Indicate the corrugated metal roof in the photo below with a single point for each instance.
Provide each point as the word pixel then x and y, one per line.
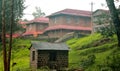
pixel 49 46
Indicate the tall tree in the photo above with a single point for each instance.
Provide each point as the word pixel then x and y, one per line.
pixel 115 18
pixel 38 13
pixel 3 36
pixel 11 12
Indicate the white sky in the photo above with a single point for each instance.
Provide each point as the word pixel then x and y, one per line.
pixel 51 6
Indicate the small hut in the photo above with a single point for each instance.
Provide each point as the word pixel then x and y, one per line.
pixel 53 55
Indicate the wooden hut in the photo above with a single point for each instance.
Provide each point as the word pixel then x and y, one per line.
pixel 53 55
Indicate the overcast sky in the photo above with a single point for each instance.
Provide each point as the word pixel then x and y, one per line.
pixel 51 6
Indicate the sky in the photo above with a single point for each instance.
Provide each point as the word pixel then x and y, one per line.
pixel 51 6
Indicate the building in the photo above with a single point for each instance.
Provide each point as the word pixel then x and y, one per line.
pixel 69 20
pixel 101 18
pixel 36 27
pixel 53 55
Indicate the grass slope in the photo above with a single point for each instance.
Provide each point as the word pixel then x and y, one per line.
pixel 90 53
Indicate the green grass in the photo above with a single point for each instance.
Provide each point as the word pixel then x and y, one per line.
pixel 81 48
pixel 20 55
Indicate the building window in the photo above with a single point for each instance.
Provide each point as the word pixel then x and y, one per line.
pixel 33 55
pixel 55 20
pixel 77 20
pixel 52 56
pixel 68 19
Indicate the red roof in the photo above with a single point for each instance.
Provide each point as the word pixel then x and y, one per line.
pixel 73 12
pixel 14 35
pixel 32 33
pixel 41 20
pixel 22 22
pixel 68 27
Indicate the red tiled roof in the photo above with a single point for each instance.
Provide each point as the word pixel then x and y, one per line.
pixel 68 27
pixel 22 22
pixel 73 12
pixel 32 33
pixel 41 20
pixel 14 35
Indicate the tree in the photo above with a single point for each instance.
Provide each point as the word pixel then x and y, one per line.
pixel 115 18
pixel 11 13
pixel 105 24
pixel 3 35
pixel 38 13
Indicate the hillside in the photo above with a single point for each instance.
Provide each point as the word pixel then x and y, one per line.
pixel 94 53
pixel 91 53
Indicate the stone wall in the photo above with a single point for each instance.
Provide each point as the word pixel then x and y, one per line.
pixel 61 60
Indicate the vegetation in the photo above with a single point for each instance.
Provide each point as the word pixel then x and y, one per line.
pixel 106 29
pixel 38 13
pixel 94 53
pixel 11 12
pixel 114 17
pixel 20 55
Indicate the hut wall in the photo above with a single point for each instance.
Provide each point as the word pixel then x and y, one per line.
pixel 33 58
pixel 61 60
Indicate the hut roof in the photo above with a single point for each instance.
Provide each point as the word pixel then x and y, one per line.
pixel 49 46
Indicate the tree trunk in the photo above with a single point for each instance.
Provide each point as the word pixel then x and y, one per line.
pixel 0 37
pixel 10 43
pixel 3 36
pixel 115 18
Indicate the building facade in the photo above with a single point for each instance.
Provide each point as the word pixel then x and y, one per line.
pixel 36 27
pixel 69 20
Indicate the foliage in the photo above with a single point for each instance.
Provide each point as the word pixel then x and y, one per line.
pixel 18 12
pixel 106 27
pixel 115 18
pixel 38 13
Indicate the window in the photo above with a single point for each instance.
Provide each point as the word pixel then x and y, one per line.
pixel 77 20
pixel 52 56
pixel 55 21
pixel 33 55
pixel 68 19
